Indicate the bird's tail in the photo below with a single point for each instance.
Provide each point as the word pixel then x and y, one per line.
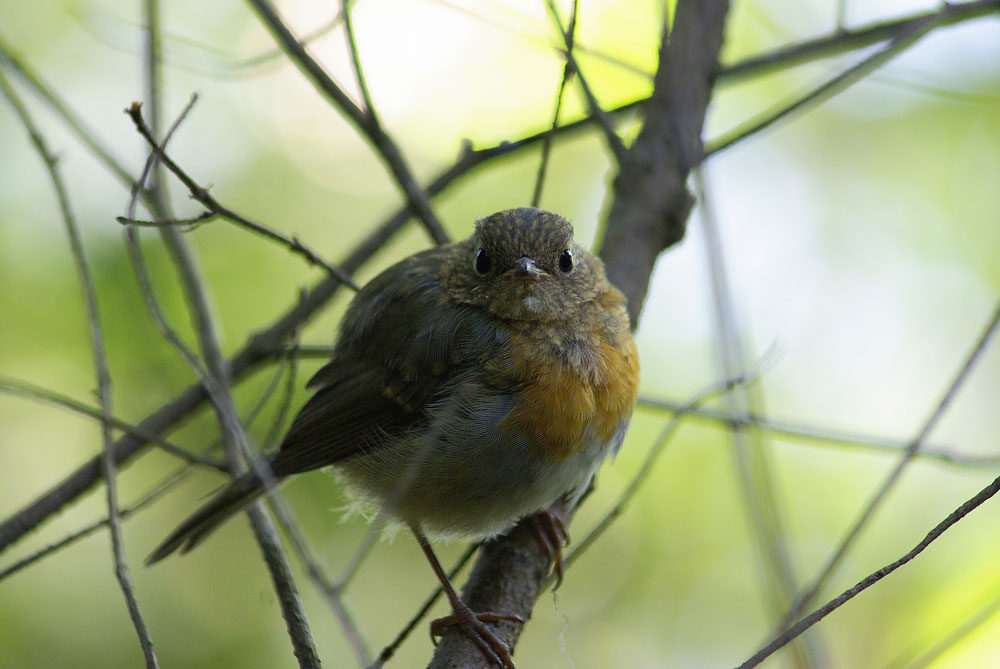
pixel 226 503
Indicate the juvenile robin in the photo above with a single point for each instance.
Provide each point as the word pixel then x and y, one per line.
pixel 472 385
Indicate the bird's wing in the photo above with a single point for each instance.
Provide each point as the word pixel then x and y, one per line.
pixel 401 342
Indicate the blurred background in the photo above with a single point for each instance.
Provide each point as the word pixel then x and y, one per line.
pixel 860 239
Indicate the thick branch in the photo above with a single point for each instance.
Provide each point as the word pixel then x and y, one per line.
pixel 651 204
pixel 648 214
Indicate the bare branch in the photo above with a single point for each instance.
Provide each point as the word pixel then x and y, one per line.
pixel 568 72
pixel 365 121
pixel 651 204
pixel 648 213
pixel 820 436
pixel 121 569
pixel 844 41
pixel 158 490
pixel 331 592
pixel 215 377
pixel 34 392
pixel 809 593
pixel 907 38
pixel 600 116
pixel 274 54
pixel 751 456
pixel 216 209
pixel 820 613
pixel 359 73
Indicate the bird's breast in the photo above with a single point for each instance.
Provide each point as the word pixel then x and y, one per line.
pixel 570 383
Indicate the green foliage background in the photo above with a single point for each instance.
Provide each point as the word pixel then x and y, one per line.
pixel 862 239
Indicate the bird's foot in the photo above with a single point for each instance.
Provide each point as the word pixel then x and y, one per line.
pixel 549 528
pixel 471 623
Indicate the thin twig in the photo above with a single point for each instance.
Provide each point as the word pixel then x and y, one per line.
pixel 359 73
pixel 158 490
pixel 820 613
pixel 274 54
pixel 826 90
pixel 819 436
pixel 235 439
pixel 119 561
pixel 22 389
pixel 840 42
pixel 806 597
pixel 215 208
pixel 153 163
pixel 841 15
pixel 331 592
pixel 276 428
pixel 350 570
pixel 751 456
pixel 265 396
pixel 568 72
pixel 365 122
pixel 139 266
pixel 601 117
pixel 189 223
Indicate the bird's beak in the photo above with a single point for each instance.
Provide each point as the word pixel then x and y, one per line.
pixel 526 269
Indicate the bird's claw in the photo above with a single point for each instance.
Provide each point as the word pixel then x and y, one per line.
pixel 471 623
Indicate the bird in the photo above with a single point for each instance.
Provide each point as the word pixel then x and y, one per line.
pixel 471 385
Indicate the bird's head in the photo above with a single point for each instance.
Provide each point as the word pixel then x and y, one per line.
pixel 523 265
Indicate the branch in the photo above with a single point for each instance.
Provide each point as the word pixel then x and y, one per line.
pixel 365 121
pixel 821 436
pixel 215 208
pixel 907 37
pixel 843 41
pixel 652 203
pixel 650 207
pixel 568 70
pixel 601 117
pixel 23 389
pixel 98 350
pixel 164 486
pixel 215 375
pixel 809 593
pixel 817 615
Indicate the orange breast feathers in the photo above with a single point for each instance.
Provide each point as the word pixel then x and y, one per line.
pixel 570 385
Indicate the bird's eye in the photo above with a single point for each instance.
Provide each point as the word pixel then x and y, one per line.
pixel 566 262
pixel 483 262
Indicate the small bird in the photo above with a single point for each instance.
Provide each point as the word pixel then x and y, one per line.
pixel 471 385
